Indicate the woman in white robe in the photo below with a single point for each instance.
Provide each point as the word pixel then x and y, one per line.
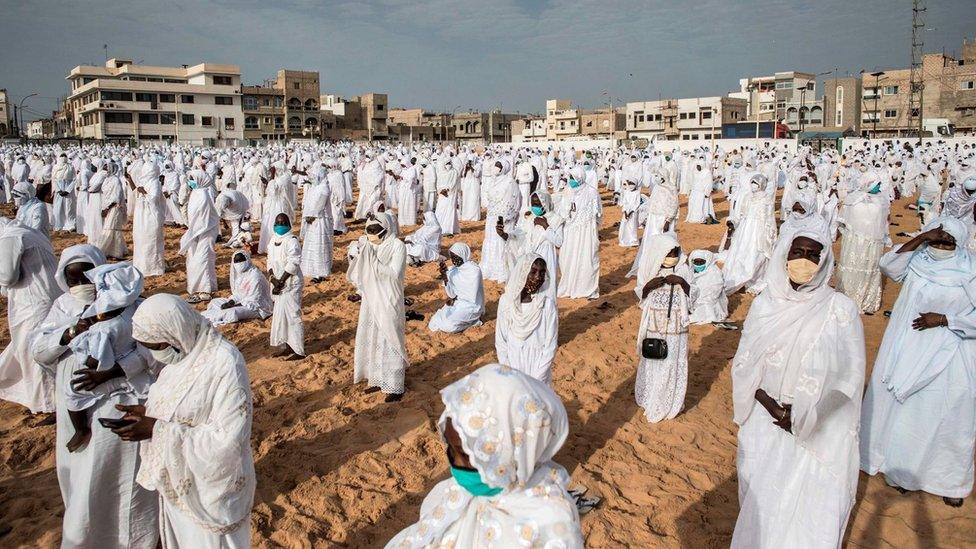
pixel 148 245
pixel 317 231
pixel 471 190
pixel 700 207
pixel 93 210
pixel 195 428
pixel 662 213
pixel 540 231
pixel 172 186
pixel 752 233
pixel 797 379
pixel 31 211
pixel 465 293
pixel 918 424
pixel 864 228
pixel 287 286
pixel 630 203
pixel 447 200
pixel 113 215
pixel 277 200
pixel 103 504
pixel 27 277
pixel 527 328
pixel 84 174
pixel 377 272
pixel 369 178
pixel 711 304
pixel 503 491
pixel 665 294
pixel 250 294
pixel 579 256
pixel 337 200
pixel 502 202
pixel 63 181
pixel 425 243
pixel 197 243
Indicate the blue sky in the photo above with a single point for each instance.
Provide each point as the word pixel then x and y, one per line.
pixel 442 54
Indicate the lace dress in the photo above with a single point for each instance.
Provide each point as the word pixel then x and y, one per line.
pixel 661 384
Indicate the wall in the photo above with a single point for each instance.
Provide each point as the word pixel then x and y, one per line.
pixel 725 144
pixel 858 142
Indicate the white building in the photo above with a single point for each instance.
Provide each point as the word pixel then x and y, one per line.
pixel 529 130
pixel 689 119
pixel 198 105
pixel 784 96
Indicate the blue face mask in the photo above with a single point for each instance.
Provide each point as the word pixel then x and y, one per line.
pixel 281 230
pixel 699 268
pixel 875 189
pixel 538 211
pixel 471 481
pixel 192 184
pixel 573 183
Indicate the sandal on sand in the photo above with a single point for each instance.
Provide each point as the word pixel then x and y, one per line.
pixel 584 505
pixel 953 502
pixel 194 299
pixel 393 397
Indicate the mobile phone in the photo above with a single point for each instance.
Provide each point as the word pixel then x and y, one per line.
pixel 115 423
pixel 500 220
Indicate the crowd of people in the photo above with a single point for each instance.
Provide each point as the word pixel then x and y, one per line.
pixel 153 407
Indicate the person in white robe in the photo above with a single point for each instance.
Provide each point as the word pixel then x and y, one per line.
pixel 27 278
pixel 148 244
pixel 665 294
pixel 465 293
pixel 370 178
pixel 63 181
pixel 318 231
pixel 31 211
pixel 662 214
pixel 864 229
pixel 337 200
pixel 447 200
pixel 233 208
pixel 630 202
pixel 253 183
pixel 113 215
pixel 378 262
pixel 711 305
pixel 700 207
pixel 424 244
pixel 277 200
pixel 513 495
pixel 287 286
pixel 197 243
pixel 85 172
pixel 579 256
pixel 527 328
pixel 540 231
pixel 502 201
pixel 103 504
pixel 918 423
pixel 749 241
pixel 93 210
pixel 408 187
pixel 471 190
pixel 194 429
pixel 172 185
pixel 250 296
pixel 797 379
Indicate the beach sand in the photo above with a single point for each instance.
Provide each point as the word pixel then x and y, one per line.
pixel 338 468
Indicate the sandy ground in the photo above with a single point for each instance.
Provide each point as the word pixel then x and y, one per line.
pixel 338 468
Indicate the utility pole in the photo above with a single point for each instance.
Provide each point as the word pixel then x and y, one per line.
pixel 916 76
pixel 877 94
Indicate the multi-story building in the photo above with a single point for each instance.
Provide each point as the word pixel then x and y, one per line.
pixel 562 120
pixel 483 127
pixel 198 105
pixel 842 104
pixel 6 120
pixel 789 97
pixel 41 129
pixel 529 130
pixel 264 113
pixel 362 117
pixel 374 109
pixel 694 118
pixel 600 125
pixel 301 96
pixel 419 125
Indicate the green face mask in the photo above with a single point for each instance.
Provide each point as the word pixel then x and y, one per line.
pixel 471 481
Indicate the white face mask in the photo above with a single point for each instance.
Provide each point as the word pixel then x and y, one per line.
pixel 169 355
pixel 801 271
pixel 374 238
pixel 938 254
pixel 83 292
pixel 669 262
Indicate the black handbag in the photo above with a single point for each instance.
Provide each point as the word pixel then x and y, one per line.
pixel 654 348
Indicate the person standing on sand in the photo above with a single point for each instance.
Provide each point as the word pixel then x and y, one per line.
pixel 527 328
pixel 504 490
pixel 287 286
pixel 579 256
pixel 797 379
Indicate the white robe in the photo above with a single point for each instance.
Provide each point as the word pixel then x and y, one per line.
pixel 579 256
pixel 317 236
pixel 532 355
pixel 502 200
pixel 197 243
pixel 285 256
pixel 148 245
pixel 446 209
pixel 111 240
pixel 471 195
pixel 63 181
pixel 425 244
pixel 466 287
pixel 251 292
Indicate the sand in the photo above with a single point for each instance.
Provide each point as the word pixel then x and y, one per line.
pixel 338 468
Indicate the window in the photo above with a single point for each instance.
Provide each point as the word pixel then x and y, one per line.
pixel 118 118
pixel 967 85
pixel 839 106
pixel 148 118
pixel 266 102
pixel 267 119
pixel 640 118
pixel 206 121
pixel 228 123
pixel 174 81
pixel 223 100
pixel 187 119
pixel 810 86
pixel 167 118
pixel 279 123
pixel 222 81
pixel 186 99
pixel 890 90
pixel 296 85
pixel 685 138
pixel 116 96
pixel 167 98
pixel 278 101
pixel 706 115
pixel 379 107
pixel 891 113
pixel 250 102
pixel 146 97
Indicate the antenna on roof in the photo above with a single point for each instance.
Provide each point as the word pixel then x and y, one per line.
pixel 105 47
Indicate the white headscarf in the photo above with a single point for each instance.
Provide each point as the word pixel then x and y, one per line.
pixel 79 253
pixel 521 319
pixel 117 286
pixel 461 250
pixel 658 247
pixel 511 426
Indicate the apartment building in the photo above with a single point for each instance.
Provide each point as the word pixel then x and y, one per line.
pixel 301 102
pixel 529 130
pixel 6 118
pixel 483 127
pixel 264 113
pixel 199 105
pixel 789 97
pixel 600 124
pixel 842 104
pixel 363 117
pixel 419 125
pixel 562 120
pixel 41 129
pixel 688 119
